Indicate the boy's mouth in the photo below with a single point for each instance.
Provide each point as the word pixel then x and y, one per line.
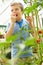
pixel 16 15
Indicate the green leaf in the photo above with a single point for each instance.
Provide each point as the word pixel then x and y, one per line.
pixel 12 38
pixel 25 1
pixel 8 41
pixel 27 10
pixel 30 42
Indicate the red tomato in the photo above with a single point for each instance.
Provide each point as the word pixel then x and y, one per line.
pixel 40 31
pixel 38 40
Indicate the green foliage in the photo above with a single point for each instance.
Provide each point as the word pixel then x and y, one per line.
pixel 25 1
pixel 27 10
pixel 35 5
pixel 42 4
pixel 12 38
pixel 30 42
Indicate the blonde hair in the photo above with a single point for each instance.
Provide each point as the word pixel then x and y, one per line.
pixel 20 5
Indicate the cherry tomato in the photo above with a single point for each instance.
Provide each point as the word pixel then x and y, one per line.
pixel 40 31
pixel 38 40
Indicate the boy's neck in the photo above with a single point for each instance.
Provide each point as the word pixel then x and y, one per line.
pixel 19 20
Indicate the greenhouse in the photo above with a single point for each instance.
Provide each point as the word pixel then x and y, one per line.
pixel 21 32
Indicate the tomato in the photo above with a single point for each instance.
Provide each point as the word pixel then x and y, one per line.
pixel 40 31
pixel 38 40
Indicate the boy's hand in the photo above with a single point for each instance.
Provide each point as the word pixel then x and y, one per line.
pixel 13 18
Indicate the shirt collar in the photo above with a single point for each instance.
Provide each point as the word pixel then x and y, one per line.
pixel 20 23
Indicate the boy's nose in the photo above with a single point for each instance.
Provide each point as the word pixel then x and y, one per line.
pixel 14 13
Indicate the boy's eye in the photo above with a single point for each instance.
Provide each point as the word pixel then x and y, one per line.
pixel 11 10
pixel 14 10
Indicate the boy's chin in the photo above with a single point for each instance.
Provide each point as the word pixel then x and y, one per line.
pixel 16 19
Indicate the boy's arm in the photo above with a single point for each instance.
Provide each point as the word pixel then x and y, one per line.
pixel 9 32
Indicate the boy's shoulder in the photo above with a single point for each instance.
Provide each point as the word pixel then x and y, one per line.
pixel 25 22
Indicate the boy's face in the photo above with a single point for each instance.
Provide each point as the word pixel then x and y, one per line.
pixel 16 10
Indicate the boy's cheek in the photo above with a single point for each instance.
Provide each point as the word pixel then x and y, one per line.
pixel 13 14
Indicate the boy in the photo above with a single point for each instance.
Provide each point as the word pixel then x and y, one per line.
pixel 17 22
